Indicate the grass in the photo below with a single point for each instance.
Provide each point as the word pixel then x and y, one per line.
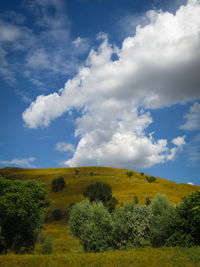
pixel 133 257
pixel 67 250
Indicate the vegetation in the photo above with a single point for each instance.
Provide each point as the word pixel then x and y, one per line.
pixel 68 250
pixel 129 174
pixel 47 245
pixel 57 214
pixel 22 211
pixel 150 179
pixel 101 192
pixel 58 184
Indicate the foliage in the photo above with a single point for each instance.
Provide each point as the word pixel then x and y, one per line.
pixel 92 224
pixel 185 228
pixel 163 214
pixel 57 214
pixel 22 212
pixel 47 246
pixel 147 200
pixel 129 174
pixel 101 192
pixel 132 223
pixel 150 179
pixel 76 171
pixel 58 184
pixel 135 200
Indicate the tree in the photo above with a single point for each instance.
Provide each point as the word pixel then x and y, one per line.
pixel 22 212
pixel 129 174
pixel 163 215
pixel 92 224
pixel 185 227
pixel 101 192
pixel 58 184
pixel 132 224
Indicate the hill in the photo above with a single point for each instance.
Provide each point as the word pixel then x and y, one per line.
pixel 124 188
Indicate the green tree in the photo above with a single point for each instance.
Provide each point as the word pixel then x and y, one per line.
pixel 150 179
pixel 101 192
pixel 185 228
pixel 22 212
pixel 92 224
pixel 163 214
pixel 129 174
pixel 132 224
pixel 58 184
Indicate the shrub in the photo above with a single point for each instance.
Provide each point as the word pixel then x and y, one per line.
pixel 147 200
pixel 57 214
pixel 47 245
pixel 58 184
pixel 76 171
pixel 92 224
pixel 150 179
pixel 163 213
pixel 142 174
pixel 185 228
pixel 135 200
pixel 129 174
pixel 132 223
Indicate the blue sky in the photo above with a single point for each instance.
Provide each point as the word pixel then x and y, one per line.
pixel 101 82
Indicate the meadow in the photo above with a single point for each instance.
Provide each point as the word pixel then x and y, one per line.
pixel 67 250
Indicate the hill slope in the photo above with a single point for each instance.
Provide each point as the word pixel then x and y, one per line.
pixel 123 187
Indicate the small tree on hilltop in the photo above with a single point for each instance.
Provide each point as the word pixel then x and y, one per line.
pixel 101 192
pixel 58 184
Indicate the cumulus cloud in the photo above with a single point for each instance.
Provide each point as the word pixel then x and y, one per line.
pixel 26 162
pixel 192 118
pixel 64 147
pixel 157 67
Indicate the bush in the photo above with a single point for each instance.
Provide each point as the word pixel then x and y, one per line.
pixel 129 174
pixel 58 184
pixel 150 179
pixel 147 200
pixel 76 171
pixel 47 245
pixel 163 213
pixel 92 224
pixel 57 214
pixel 132 223
pixel 135 200
pixel 22 212
pixel 101 192
pixel 185 228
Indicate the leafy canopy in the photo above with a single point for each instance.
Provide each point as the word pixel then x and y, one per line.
pixel 22 210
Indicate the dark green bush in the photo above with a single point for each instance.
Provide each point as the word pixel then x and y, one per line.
pixel 135 200
pixel 129 174
pixel 58 184
pixel 57 214
pixel 76 171
pixel 150 179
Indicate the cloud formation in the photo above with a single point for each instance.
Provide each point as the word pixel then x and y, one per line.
pixel 26 162
pixel 192 118
pixel 157 67
pixel 64 147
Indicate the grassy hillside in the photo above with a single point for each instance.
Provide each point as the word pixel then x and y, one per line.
pixel 68 251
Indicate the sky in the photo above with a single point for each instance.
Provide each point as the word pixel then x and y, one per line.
pixel 101 83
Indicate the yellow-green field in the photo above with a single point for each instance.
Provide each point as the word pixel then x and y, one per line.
pixel 67 250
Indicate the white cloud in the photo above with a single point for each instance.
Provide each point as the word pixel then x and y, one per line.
pixel 157 67
pixel 190 183
pixel 64 147
pixel 26 162
pixel 192 118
